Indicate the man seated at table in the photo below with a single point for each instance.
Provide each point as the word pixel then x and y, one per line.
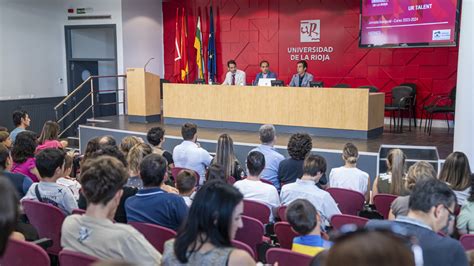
pixel 234 76
pixel 302 78
pixel 265 72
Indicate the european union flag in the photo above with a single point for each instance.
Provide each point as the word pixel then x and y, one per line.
pixel 211 51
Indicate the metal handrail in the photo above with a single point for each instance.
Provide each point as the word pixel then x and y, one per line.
pixel 74 108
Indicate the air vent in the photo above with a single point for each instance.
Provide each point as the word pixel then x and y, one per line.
pixel 89 17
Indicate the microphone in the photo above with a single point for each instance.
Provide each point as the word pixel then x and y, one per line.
pixel 147 62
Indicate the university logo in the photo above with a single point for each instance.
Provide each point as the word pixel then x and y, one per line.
pixel 310 30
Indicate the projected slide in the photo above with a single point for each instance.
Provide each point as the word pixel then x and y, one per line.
pixel 405 22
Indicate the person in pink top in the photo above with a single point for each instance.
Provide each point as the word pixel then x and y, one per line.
pixel 23 155
pixel 49 137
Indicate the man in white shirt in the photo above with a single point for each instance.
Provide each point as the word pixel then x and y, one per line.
pixel 189 154
pixel 305 188
pixel 234 76
pixel 254 189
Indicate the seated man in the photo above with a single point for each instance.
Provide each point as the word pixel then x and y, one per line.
pixel 22 120
pixel 152 204
pixel 21 182
pixel 305 220
pixel 265 72
pixel 234 76
pixel 156 138
pixel 254 189
pixel 431 210
pixel 50 165
pixel 189 154
pixel 272 157
pixel 186 185
pixel 95 233
pixel 314 167
pixel 301 78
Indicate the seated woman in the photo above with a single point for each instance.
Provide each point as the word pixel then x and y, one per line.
pixel 8 214
pixel 465 220
pixel 23 155
pixel 225 156
pixel 49 137
pixel 392 182
pixel 456 173
pixel 213 220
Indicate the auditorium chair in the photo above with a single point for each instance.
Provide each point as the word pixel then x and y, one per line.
pixel 413 100
pixel 383 203
pixel 370 87
pixel 348 201
pixel 400 102
pixel 47 220
pixel 438 104
pixel 241 245
pixel 281 211
pixel 20 253
pixel 79 211
pixel 155 234
pixel 72 258
pixel 316 84
pixel 266 181
pixel 257 210
pixel 285 234
pixel 467 241
pixel 286 257
pixel 338 220
pixel 342 85
pixel 252 234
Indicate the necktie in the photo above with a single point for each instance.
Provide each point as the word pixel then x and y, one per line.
pixel 233 79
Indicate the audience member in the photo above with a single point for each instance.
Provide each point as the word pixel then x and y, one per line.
pixel 50 165
pixel 91 147
pixel 189 153
pixel 272 157
pixel 5 139
pixel 21 120
pixel 304 188
pixel 456 173
pixel 23 155
pixel 225 156
pixel 213 220
pixel 392 182
pixel 301 78
pixel 254 189
pixel 152 204
pixel 8 213
pixel 264 73
pixel 49 137
pixel 156 138
pixel 416 173
pixel 305 220
pixel 20 182
pixel 216 172
pixel 2 128
pixel 431 210
pixel 107 141
pixel 234 76
pixel 349 176
pixel 127 144
pixel 186 184
pixel 465 219
pixel 134 159
pixel 67 181
pixel 95 233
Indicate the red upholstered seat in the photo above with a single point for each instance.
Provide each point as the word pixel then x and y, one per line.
pixel 257 210
pixel 286 257
pixel 383 202
pixel 285 234
pixel 19 253
pixel 338 220
pixel 155 234
pixel 72 258
pixel 348 201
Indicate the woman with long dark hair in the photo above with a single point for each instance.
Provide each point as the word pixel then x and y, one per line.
pixel 205 238
pixel 23 155
pixel 225 156
pixel 456 173
pixel 49 137
pixel 392 181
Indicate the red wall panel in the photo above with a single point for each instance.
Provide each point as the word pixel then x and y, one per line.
pixel 252 30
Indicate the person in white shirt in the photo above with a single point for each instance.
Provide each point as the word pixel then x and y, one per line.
pixel 234 76
pixel 254 189
pixel 189 153
pixel 349 176
pixel 305 188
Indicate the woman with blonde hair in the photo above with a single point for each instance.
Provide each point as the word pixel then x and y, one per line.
pixel 392 182
pixel 128 142
pixel 456 173
pixel 225 156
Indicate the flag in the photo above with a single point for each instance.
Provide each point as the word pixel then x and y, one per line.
pixel 177 50
pixel 184 53
pixel 211 51
pixel 198 46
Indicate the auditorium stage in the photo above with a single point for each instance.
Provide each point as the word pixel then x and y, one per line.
pixel 244 141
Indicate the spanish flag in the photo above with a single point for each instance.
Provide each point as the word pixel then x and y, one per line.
pixel 184 52
pixel 198 46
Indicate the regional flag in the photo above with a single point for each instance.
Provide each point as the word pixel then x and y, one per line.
pixel 184 48
pixel 177 50
pixel 198 46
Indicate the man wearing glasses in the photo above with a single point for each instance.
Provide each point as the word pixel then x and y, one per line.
pixel 431 215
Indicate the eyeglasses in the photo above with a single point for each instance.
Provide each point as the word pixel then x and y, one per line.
pixel 452 215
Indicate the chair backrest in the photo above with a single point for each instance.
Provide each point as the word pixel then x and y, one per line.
pixel 316 84
pixel 286 257
pixel 230 180
pixel 383 202
pixel 370 87
pixel 72 258
pixel 285 234
pixel 342 85
pixel 48 220
pixel 257 210
pixel 251 233
pixel 241 245
pixel 452 96
pixel 412 86
pixel 155 234
pixel 175 171
pixel 348 201
pixel 338 220
pixel 19 253
pixel 78 211
pixel 266 181
pixel 401 95
pixel 282 213
pixel 467 241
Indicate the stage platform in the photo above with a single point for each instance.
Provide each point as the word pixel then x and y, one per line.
pixel 244 141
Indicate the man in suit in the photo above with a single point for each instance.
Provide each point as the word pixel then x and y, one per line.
pixel 234 76
pixel 302 78
pixel 265 72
